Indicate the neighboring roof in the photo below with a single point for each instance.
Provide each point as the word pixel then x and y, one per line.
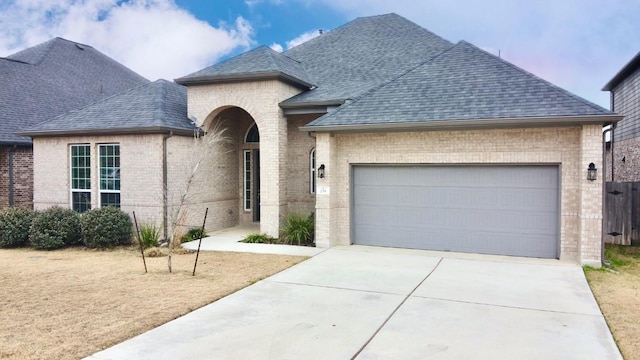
pixel 160 106
pixel 257 64
pixel 53 78
pixel 462 85
pixel 360 55
pixel 627 70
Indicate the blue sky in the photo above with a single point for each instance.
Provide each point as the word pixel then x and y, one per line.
pixel 576 44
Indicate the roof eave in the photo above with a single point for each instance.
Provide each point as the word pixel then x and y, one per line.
pixel 115 131
pixel 626 70
pixel 245 77
pixel 468 124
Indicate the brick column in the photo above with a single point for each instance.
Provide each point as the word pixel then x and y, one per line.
pixel 590 196
pixel 326 191
pixel 273 171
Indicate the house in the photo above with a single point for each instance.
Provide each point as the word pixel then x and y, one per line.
pixel 390 134
pixel 623 151
pixel 42 82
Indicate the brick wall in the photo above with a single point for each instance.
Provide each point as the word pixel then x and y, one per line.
pixel 570 147
pixel 22 176
pixel 140 173
pixel 299 198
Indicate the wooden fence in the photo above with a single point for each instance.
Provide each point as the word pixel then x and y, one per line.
pixel 621 221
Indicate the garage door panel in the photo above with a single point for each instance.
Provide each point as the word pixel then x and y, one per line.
pixel 515 217
pixel 461 198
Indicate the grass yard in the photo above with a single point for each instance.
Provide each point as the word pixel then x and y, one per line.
pixel 68 304
pixel 618 294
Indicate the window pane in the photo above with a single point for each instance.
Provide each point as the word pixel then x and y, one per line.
pixel 81 201
pixel 247 180
pixel 110 199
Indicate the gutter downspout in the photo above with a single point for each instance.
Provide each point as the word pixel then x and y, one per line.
pixel 165 186
pixel 603 261
pixel 11 175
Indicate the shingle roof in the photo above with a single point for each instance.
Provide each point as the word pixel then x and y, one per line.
pixel 361 54
pixel 52 78
pixel 462 83
pixel 628 69
pixel 261 62
pixel 155 107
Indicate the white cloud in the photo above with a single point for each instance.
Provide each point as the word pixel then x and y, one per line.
pixel 153 37
pixel 302 38
pixel 576 44
pixel 277 47
pixel 296 41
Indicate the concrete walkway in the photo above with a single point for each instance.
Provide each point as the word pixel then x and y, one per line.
pixel 375 303
pixel 228 240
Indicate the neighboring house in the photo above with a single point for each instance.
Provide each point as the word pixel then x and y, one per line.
pixel 390 134
pixel 40 83
pixel 623 149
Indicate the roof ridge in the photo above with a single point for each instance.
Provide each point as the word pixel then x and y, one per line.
pixel 525 72
pixel 159 102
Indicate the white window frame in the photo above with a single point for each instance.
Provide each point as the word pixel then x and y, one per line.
pixel 246 180
pixel 312 171
pixel 103 179
pixel 76 190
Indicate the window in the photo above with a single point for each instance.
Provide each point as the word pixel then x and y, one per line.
pixel 247 180
pixel 110 175
pixel 312 171
pixel 253 136
pixel 80 178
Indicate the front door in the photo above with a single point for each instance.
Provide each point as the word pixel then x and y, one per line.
pixel 256 185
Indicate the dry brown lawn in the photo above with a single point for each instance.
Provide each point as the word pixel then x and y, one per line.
pixel 618 294
pixel 67 304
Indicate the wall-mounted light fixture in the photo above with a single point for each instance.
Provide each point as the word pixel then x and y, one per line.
pixel 592 172
pixel 321 171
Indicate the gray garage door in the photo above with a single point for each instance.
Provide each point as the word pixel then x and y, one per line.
pixel 506 210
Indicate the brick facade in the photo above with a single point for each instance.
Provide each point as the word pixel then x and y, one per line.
pixel 22 169
pixel 572 148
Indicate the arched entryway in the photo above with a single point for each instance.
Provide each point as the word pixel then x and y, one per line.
pixel 236 178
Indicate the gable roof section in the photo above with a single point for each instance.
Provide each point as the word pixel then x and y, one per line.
pixel 461 86
pixel 625 72
pixel 360 55
pixel 53 78
pixel 258 64
pixel 160 106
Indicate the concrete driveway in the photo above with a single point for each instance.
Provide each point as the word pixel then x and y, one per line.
pixel 375 303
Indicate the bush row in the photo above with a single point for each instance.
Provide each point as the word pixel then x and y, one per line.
pixel 57 227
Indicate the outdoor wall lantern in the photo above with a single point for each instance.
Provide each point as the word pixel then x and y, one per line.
pixel 321 171
pixel 592 172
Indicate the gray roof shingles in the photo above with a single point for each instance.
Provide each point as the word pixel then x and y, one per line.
pixel 462 83
pixel 53 78
pixel 362 54
pixel 155 107
pixel 261 61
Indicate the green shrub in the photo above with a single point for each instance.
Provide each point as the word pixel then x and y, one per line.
pixel 259 239
pixel 106 227
pixel 149 235
pixel 193 234
pixel 298 229
pixel 54 228
pixel 14 226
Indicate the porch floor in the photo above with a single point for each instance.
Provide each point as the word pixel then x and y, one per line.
pixel 229 240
